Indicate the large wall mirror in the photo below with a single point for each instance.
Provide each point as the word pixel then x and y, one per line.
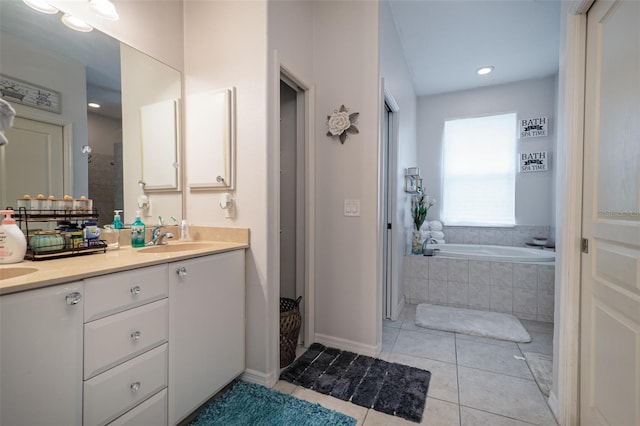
pixel 103 153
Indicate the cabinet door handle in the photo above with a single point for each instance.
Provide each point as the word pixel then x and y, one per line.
pixel 73 298
pixel 135 290
pixel 135 386
pixel 136 335
pixel 182 271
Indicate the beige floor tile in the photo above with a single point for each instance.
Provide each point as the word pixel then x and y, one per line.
pixel 444 376
pixel 284 387
pixel 471 417
pixel 357 412
pixel 426 345
pixel 440 413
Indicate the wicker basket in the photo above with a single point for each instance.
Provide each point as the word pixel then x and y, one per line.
pixel 290 321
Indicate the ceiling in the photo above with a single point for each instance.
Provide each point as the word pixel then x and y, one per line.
pixel 446 41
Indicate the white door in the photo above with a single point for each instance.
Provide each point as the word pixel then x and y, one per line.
pixel 610 311
pixel 40 146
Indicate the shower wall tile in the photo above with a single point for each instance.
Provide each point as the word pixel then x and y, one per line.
pixel 438 268
pixel 479 296
pixel 525 301
pixel 545 306
pixel 503 237
pixel 457 293
pixel 525 316
pixel 421 291
pixel 480 272
pixel 501 299
pixel 502 274
pixel 458 270
pixel 525 275
pixel 454 235
pixel 471 235
pixel 438 291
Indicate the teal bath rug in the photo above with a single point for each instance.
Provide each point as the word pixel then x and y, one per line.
pixel 246 404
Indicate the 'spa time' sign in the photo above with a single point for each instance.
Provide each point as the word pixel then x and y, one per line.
pixel 533 127
pixel 534 162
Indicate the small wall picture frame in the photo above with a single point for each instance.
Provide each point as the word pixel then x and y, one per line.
pixel 14 90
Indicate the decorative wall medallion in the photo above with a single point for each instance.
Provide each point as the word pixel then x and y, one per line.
pixel 341 123
pixel 14 90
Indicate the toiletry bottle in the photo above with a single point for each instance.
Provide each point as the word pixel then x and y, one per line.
pixel 138 232
pixel 117 222
pixel 13 244
pixel 184 231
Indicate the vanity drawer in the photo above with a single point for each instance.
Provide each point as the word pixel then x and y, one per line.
pixel 116 338
pixel 119 291
pixel 151 412
pixel 114 392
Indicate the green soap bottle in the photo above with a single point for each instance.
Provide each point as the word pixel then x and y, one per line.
pixel 138 231
pixel 117 222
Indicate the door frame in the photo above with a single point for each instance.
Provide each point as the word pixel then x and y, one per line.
pixel 565 403
pixel 306 98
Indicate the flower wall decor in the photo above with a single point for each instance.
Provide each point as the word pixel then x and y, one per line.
pixel 341 123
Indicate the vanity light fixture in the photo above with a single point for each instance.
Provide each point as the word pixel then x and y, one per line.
pixel 485 70
pixel 41 6
pixel 93 105
pixel 104 8
pixel 76 23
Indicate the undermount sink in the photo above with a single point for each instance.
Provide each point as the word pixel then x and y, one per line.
pixel 173 248
pixel 15 271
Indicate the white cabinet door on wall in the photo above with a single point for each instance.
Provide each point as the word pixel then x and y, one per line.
pixel 41 356
pixel 207 329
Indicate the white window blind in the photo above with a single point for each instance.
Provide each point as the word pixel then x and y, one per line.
pixel 479 170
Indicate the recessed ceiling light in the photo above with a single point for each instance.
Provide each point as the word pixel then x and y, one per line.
pixel 104 8
pixel 93 105
pixel 484 70
pixel 76 23
pixel 41 6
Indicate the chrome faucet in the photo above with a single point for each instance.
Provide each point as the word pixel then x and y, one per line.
pixel 426 251
pixel 158 235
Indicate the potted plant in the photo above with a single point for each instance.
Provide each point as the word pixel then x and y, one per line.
pixel 420 205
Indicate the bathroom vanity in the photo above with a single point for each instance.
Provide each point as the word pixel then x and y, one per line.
pixel 125 337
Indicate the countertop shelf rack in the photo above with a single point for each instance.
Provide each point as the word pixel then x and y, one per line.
pixel 71 246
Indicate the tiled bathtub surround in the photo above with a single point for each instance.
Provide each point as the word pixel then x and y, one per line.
pixel 525 290
pixel 516 236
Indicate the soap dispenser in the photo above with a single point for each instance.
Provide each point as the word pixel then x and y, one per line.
pixel 138 232
pixel 13 244
pixel 117 221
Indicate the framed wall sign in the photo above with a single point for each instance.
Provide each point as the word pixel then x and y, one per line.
pixel 533 127
pixel 14 90
pixel 534 162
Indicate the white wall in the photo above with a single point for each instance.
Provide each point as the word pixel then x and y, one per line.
pixel 226 45
pixel 346 72
pixel 531 98
pixel 397 79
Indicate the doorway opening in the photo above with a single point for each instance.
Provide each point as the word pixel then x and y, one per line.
pixel 293 180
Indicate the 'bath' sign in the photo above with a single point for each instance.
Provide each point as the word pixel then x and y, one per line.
pixel 534 162
pixel 533 127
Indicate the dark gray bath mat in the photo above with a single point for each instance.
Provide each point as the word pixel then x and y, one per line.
pixel 470 321
pixel 390 388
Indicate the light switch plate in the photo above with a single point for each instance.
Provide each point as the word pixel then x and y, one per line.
pixel 352 207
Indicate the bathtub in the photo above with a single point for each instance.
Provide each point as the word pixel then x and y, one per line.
pixel 493 253
pixel 513 280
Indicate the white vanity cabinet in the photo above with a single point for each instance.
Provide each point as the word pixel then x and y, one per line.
pixel 125 345
pixel 207 329
pixel 41 356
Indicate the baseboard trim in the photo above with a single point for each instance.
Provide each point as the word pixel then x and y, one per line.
pixel 348 345
pixel 553 403
pixel 265 379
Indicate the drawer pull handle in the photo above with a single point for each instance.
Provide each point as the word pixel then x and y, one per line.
pixel 135 386
pixel 136 335
pixel 136 290
pixel 73 298
pixel 182 271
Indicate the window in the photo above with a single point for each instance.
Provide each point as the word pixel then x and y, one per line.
pixel 479 170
